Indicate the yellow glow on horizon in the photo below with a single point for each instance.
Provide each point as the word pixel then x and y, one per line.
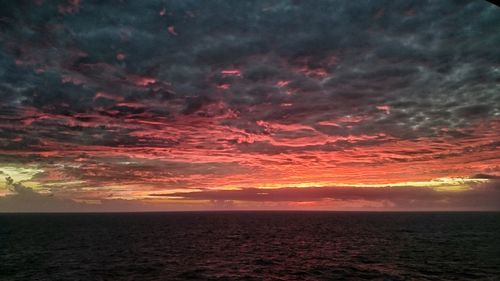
pixel 19 174
pixel 439 184
pixel 444 184
pixel 65 183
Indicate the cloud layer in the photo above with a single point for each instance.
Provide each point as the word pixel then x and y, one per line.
pixel 124 99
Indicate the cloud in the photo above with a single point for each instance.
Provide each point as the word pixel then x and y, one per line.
pixel 132 97
pixel 25 199
pixel 484 196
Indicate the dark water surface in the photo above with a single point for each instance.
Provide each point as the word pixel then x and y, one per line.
pixel 250 246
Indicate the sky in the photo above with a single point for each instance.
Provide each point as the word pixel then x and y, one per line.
pixel 249 105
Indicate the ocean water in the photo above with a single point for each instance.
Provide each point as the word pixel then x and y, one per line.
pixel 250 246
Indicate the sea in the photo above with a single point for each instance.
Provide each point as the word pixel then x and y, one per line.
pixel 250 246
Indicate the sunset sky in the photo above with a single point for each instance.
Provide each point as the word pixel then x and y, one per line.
pixel 252 105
